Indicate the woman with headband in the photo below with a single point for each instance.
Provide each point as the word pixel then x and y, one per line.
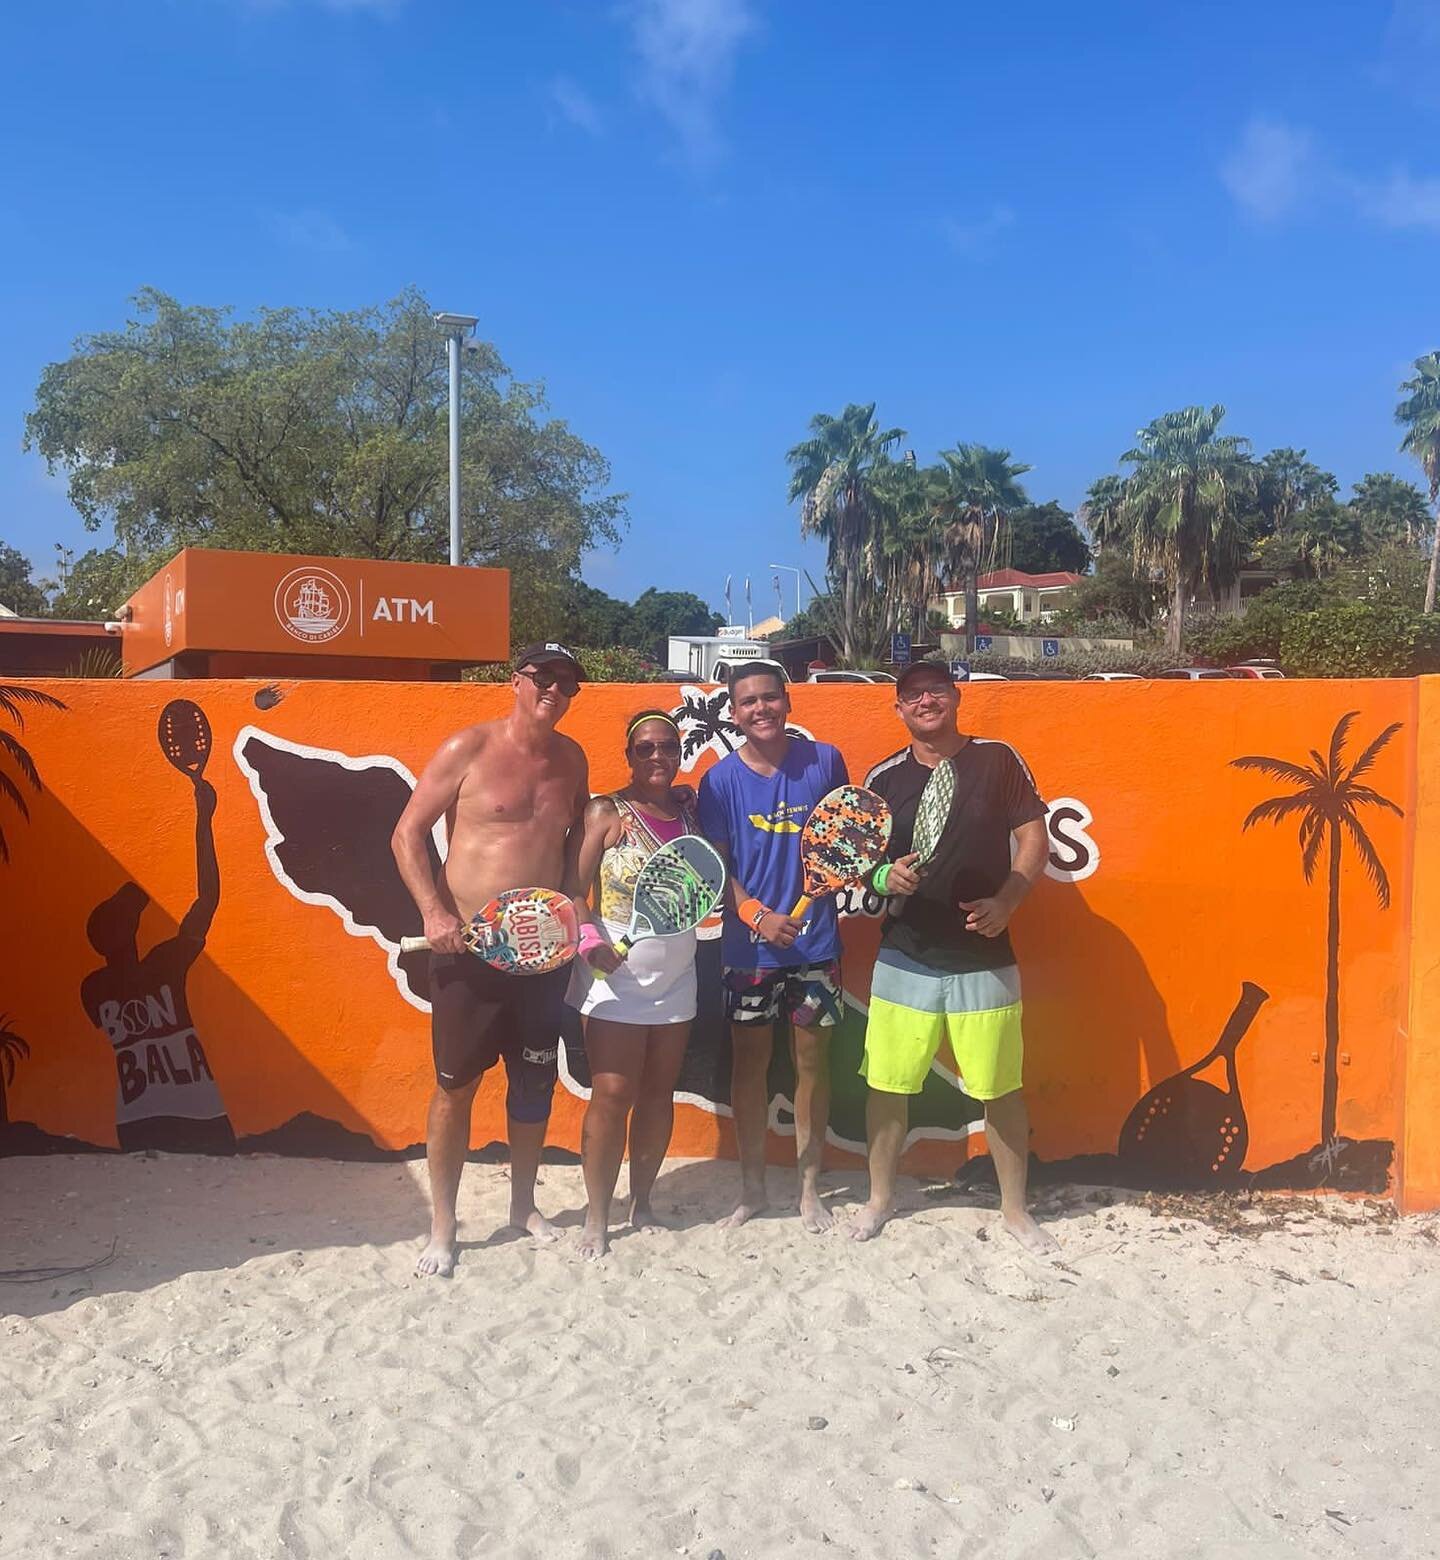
pixel 637 1011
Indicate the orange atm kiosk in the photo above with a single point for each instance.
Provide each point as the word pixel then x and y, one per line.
pixel 210 613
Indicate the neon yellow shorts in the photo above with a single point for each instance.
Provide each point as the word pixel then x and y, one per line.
pixel 914 1007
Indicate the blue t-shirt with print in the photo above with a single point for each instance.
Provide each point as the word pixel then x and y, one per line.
pixel 757 819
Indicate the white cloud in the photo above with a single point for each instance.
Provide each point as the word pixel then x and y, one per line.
pixel 574 104
pixel 687 52
pixel 316 231
pixel 1272 170
pixel 974 238
pixel 1403 202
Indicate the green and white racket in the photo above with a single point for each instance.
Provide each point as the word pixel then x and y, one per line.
pixel 678 887
pixel 933 812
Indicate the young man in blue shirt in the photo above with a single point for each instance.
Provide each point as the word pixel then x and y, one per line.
pixel 753 806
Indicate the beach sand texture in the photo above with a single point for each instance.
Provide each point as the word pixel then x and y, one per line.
pixel 258 1374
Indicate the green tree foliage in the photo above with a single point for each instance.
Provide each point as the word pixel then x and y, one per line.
pixel 1043 538
pixel 1185 500
pixel 1419 413
pixel 1390 509
pixel 320 432
pixel 18 590
pixel 978 487
pixel 99 582
pixel 1103 514
pixel 1115 591
pixel 656 614
pixel 1287 484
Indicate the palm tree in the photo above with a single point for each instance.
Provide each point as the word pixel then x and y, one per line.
pixel 1287 484
pixel 832 474
pixel 1388 507
pixel 909 549
pixel 12 696
pixel 12 1048
pixel 1420 412
pixel 977 486
pixel 1102 513
pixel 705 719
pixel 1326 804
pixel 1183 500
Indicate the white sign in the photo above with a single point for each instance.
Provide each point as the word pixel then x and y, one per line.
pixel 732 631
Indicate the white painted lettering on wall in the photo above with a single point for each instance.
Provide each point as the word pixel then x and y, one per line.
pixel 403 609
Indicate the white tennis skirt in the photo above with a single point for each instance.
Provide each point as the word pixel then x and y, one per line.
pixel 655 984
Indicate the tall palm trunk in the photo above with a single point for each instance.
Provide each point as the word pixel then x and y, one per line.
pixel 1175 626
pixel 972 608
pixel 1332 994
pixel 1434 557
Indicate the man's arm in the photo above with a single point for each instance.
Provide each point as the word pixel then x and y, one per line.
pixel 434 795
pixel 574 880
pixel 195 926
pixel 991 916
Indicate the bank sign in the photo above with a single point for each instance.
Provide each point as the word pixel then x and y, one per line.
pixel 210 600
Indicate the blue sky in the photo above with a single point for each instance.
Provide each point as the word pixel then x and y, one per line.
pixel 702 221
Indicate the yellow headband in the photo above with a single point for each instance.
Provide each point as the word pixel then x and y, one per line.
pixel 641 719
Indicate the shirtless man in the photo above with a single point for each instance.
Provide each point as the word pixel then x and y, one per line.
pixel 513 793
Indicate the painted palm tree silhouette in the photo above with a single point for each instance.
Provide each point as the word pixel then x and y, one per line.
pixel 1327 804
pixel 12 1049
pixel 12 697
pixel 705 719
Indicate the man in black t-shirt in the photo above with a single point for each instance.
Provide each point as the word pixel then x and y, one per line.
pixel 946 970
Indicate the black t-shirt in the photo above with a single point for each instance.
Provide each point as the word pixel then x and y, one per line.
pixel 994 794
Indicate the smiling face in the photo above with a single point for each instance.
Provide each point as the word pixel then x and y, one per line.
pixel 928 705
pixel 653 753
pixel 544 692
pixel 760 706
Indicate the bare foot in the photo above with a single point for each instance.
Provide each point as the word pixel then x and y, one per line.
pixel 533 1223
pixel 594 1241
pixel 645 1218
pixel 438 1258
pixel 815 1217
pixel 1037 1242
pixel 748 1208
pixel 867 1221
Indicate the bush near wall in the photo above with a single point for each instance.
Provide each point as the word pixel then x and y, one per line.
pixel 1313 637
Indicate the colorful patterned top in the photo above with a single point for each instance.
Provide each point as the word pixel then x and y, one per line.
pixel 641 835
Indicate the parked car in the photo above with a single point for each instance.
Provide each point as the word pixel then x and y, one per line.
pixel 1196 674
pixel 987 677
pixel 1112 677
pixel 850 677
pixel 1262 669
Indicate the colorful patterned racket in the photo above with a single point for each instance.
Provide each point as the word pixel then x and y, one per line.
pixel 524 931
pixel 933 811
pixel 184 736
pixel 844 839
pixel 678 887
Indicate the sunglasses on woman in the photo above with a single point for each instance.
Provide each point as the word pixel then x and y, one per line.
pixel 668 748
pixel 565 683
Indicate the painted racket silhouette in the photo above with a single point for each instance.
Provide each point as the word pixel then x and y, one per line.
pixel 524 931
pixel 844 839
pixel 1188 1131
pixel 184 736
pixel 677 888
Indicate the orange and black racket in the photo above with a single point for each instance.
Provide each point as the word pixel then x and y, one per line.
pixel 843 841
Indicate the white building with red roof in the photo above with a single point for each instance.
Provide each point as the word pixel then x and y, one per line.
pixel 1031 598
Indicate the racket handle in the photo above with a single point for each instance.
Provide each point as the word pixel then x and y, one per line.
pixel 623 947
pixel 801 906
pixel 413 944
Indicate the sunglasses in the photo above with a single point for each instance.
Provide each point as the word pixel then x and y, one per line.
pixel 669 748
pixel 568 685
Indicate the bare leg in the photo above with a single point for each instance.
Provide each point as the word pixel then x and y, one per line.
pixel 887 1119
pixel 1007 1125
pixel 527 1138
pixel 447 1137
pixel 654 1117
pixel 812 1117
pixel 617 1054
pixel 750 1100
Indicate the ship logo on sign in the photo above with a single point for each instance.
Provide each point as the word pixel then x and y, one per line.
pixel 312 605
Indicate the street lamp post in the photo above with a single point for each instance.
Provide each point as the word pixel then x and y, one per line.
pixel 790 568
pixel 456 327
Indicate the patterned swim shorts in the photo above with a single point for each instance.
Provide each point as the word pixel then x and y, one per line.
pixel 809 995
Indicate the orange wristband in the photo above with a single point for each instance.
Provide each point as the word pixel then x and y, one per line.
pixel 752 912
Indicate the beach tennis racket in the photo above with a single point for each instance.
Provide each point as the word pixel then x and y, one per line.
pixel 524 931
pixel 1189 1132
pixel 931 817
pixel 844 840
pixel 184 736
pixel 677 888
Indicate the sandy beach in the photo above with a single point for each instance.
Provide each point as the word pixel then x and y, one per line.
pixel 256 1373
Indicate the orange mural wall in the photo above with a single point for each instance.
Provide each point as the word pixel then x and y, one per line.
pixel 268 932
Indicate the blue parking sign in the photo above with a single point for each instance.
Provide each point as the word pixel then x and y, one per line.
pixel 899 649
pixel 1050 647
pixel 984 642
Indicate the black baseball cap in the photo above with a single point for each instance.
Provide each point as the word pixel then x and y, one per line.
pixel 543 655
pixel 911 672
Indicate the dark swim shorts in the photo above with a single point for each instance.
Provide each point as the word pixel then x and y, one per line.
pixel 479 1016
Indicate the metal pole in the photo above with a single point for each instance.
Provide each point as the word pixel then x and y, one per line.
pixel 455 447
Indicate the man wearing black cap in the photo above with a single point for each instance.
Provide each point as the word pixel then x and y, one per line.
pixel 513 793
pixel 946 971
